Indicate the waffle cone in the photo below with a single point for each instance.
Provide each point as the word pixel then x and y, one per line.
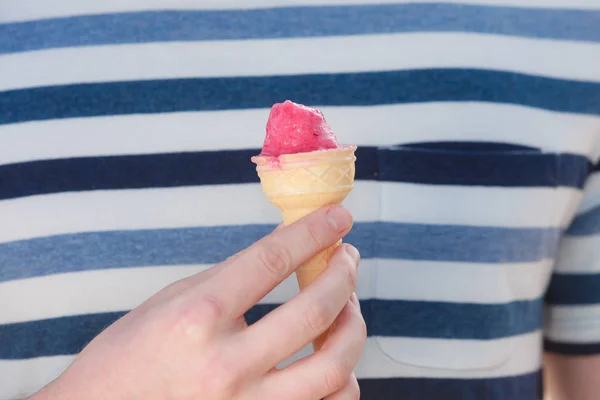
pixel 298 184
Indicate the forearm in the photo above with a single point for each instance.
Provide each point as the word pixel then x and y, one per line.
pixel 569 377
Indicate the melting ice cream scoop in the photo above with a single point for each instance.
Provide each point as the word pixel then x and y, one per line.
pixel 294 128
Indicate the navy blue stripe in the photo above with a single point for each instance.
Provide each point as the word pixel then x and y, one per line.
pixel 482 168
pixel 208 245
pixel 52 337
pixel 348 89
pixel 585 224
pixel 572 349
pixel 127 172
pixel 574 289
pixel 470 147
pixel 164 26
pixel 440 320
pixel 519 387
pixel 512 169
pixel 388 318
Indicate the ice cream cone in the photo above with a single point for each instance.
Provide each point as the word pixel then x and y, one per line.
pixel 298 184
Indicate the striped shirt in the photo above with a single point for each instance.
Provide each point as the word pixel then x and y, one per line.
pixel 126 130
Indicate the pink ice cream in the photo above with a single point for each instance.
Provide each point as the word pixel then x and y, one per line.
pixel 294 128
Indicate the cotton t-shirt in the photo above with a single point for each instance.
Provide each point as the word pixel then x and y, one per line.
pixel 127 127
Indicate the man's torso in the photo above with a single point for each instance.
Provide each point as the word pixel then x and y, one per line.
pixel 125 137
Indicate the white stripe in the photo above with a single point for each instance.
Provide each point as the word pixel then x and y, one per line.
pixel 428 358
pixel 76 212
pixel 390 357
pixel 522 355
pixel 579 254
pixel 85 292
pixel 152 209
pixel 557 59
pixel 37 9
pixel 80 293
pixel 573 324
pixel 461 282
pixel 21 378
pixel 239 129
pixel 477 205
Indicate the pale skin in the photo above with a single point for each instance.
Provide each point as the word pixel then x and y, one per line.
pixel 185 342
pixel 190 340
pixel 572 377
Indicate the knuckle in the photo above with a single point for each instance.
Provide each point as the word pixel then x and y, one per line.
pixel 336 377
pixel 197 317
pixel 317 318
pixel 276 259
pixel 211 308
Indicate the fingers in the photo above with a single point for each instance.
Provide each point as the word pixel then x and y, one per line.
pixel 327 371
pixel 293 325
pixel 350 392
pixel 257 270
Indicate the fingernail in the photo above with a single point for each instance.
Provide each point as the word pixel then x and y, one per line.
pixel 339 218
pixel 352 252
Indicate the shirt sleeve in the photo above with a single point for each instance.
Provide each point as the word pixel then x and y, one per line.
pixel 572 318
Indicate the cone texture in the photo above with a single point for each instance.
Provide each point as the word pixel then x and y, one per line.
pixel 302 183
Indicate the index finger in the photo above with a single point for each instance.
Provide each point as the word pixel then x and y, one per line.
pixel 265 264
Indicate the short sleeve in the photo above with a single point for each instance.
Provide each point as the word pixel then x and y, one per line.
pixel 572 318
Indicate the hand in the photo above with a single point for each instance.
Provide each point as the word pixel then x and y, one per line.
pixel 190 340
